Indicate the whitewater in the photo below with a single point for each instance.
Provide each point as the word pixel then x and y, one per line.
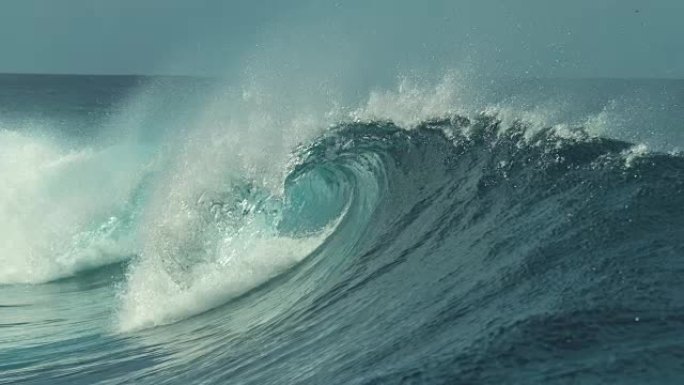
pixel 186 230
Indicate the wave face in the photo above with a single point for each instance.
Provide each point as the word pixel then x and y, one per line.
pixel 466 249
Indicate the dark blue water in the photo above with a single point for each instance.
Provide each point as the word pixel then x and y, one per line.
pixel 157 232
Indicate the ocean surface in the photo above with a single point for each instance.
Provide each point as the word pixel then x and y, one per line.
pixel 166 230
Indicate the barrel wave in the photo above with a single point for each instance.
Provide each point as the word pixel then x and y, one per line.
pixel 464 249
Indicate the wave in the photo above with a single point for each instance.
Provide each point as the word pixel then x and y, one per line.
pixel 461 236
pixel 453 177
pixel 426 247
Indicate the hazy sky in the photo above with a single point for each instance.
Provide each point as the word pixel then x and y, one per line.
pixel 586 38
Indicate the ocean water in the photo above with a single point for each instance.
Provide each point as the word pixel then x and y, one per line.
pixel 160 230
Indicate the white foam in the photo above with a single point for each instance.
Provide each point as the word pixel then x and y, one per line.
pixel 632 154
pixel 154 296
pixel 59 207
pixel 413 103
pixel 191 261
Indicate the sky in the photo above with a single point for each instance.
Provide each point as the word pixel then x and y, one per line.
pixel 372 38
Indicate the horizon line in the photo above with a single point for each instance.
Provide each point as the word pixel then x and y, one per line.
pixel 209 77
